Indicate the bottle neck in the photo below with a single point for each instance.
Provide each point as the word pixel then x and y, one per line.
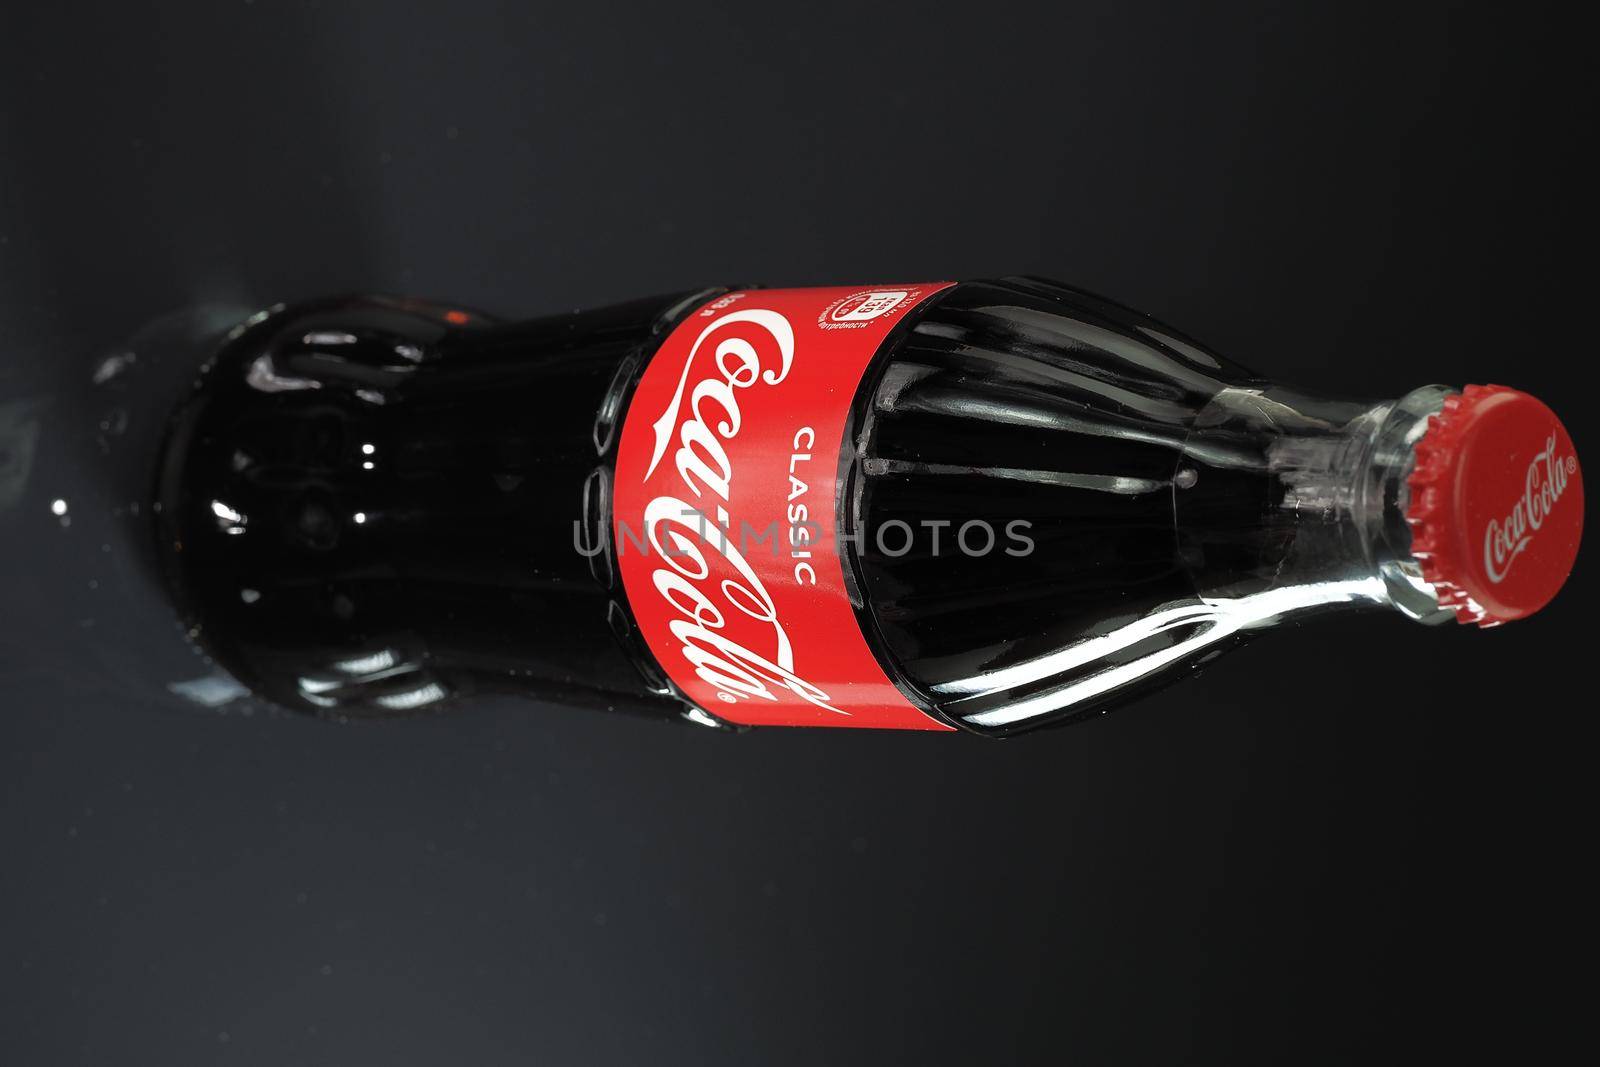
pixel 1289 504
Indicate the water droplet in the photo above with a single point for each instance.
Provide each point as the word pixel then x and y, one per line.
pixel 112 366
pixel 115 422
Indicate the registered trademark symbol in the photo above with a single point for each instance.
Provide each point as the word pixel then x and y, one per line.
pixel 726 698
pixel 1572 464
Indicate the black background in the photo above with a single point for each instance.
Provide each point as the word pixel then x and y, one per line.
pixel 1358 842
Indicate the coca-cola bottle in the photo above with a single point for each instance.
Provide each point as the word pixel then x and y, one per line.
pixel 987 505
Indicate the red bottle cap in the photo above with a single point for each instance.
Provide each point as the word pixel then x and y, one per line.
pixel 1496 507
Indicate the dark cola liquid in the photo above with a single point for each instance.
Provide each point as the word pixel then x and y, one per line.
pixel 372 507
pixel 1025 400
pixel 368 506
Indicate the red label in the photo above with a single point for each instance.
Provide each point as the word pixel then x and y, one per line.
pixel 725 504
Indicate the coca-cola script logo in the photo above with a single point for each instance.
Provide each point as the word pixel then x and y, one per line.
pixel 1506 539
pixel 702 575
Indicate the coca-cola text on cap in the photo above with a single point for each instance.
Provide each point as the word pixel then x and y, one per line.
pixel 1496 508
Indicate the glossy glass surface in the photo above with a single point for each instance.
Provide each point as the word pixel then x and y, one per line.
pixel 368 506
pixel 372 507
pixel 1176 504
